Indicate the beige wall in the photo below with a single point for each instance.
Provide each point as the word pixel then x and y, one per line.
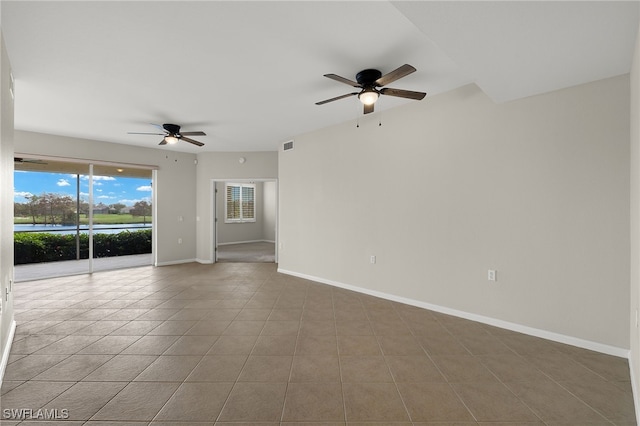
pixel 175 185
pixel 634 338
pixel 220 166
pixel 6 208
pixel 452 186
pixel 270 209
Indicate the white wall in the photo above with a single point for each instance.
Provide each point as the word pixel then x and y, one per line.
pixel 225 165
pixel 269 209
pixel 6 208
pixel 452 186
pixel 634 338
pixel 175 185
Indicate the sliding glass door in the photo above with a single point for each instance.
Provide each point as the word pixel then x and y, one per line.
pixel 73 218
pixel 121 222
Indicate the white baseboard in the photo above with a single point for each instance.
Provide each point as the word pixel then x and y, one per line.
pixel 549 335
pixel 205 261
pixel 246 242
pixel 176 262
pixel 7 350
pixel 634 388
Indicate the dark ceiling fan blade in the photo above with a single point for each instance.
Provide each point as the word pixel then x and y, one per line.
pixel 144 133
pixel 163 142
pixel 403 93
pixel 394 75
pixel 336 98
pixel 193 133
pixel 342 80
pixel 191 141
pixel 368 108
pixel 28 160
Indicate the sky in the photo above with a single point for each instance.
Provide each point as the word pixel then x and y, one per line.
pixel 107 189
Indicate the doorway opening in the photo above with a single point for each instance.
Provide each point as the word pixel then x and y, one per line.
pixel 245 224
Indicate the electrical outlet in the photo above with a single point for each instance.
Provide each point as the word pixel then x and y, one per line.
pixel 492 275
pixel 179 240
pixel 372 259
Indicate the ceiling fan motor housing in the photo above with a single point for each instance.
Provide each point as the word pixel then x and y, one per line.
pixel 171 128
pixel 368 77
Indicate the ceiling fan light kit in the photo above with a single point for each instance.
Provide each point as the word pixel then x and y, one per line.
pixel 369 81
pixel 368 96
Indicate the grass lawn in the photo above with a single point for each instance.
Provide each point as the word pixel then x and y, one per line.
pixel 98 219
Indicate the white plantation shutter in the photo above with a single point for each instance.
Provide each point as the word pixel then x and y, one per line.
pixel 248 202
pixel 240 202
pixel 233 203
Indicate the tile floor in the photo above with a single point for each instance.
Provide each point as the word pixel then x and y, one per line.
pixel 237 344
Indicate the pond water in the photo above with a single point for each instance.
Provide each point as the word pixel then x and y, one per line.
pixel 71 229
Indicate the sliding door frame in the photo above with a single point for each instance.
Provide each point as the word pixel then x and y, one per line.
pixel 91 164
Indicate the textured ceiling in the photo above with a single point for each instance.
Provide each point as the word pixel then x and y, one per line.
pixel 249 73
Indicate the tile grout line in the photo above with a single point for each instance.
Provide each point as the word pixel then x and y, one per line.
pixel 494 375
pixel 548 376
pixel 384 357
pixel 226 401
pixel 293 357
pixel 430 359
pixel 335 323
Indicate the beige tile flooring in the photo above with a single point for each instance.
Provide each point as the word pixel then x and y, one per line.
pixel 241 344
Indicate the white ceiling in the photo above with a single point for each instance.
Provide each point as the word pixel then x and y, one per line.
pixel 249 73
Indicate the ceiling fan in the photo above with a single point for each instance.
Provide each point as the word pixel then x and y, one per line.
pixel 370 80
pixel 172 134
pixel 28 160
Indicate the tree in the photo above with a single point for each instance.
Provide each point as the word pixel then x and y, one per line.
pixel 117 207
pixel 61 207
pixel 48 208
pixel 84 207
pixel 33 206
pixel 21 210
pixel 55 207
pixel 141 208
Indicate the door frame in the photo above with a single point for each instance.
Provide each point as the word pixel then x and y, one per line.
pixel 214 210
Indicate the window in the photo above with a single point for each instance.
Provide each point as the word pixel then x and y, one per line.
pixel 240 206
